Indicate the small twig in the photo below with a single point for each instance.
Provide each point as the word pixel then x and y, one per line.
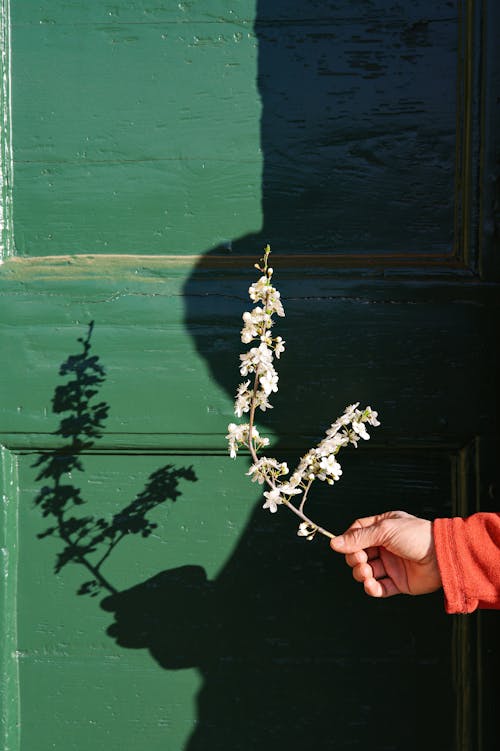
pixel 304 497
pixel 315 527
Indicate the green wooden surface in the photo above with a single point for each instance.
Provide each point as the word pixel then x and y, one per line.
pixel 147 130
pixel 131 699
pixel 9 696
pixel 155 149
pixel 270 632
pixel 173 339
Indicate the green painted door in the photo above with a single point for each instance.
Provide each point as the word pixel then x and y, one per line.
pixel 149 151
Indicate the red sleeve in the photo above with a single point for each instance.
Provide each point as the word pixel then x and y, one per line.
pixel 468 554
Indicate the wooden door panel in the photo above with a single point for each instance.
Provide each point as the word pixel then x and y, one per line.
pixel 229 595
pixel 346 341
pixel 119 146
pixel 155 150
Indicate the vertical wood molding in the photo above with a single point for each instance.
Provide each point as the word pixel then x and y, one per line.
pixel 489 162
pixel 466 633
pixel 467 134
pixel 6 164
pixel 9 666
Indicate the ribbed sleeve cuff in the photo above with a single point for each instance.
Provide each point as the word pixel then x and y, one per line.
pixel 451 562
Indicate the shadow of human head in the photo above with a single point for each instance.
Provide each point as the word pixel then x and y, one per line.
pixel 289 653
pixel 292 655
pixel 172 614
pixel 298 657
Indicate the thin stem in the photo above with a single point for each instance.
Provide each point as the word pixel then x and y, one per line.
pixel 304 497
pixel 297 511
pixel 306 519
pixel 251 420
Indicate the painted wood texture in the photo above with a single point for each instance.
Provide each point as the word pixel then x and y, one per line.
pixel 150 601
pixel 183 128
pixel 172 338
pixel 282 614
pixel 245 640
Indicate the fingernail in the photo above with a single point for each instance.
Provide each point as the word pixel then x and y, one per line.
pixel 337 543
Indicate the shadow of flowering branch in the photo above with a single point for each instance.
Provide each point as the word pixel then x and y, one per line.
pixel 89 540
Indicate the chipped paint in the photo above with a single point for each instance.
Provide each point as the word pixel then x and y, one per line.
pixel 9 663
pixel 6 165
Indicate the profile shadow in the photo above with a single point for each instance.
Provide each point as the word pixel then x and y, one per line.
pixel 291 654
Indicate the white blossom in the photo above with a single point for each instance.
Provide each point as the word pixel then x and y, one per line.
pixel 259 289
pixel 248 334
pixel 263 291
pixel 256 358
pixel 273 302
pixel 239 435
pixel 279 347
pixel 243 399
pixel 343 420
pixel 360 428
pixel 242 404
pixel 334 444
pixel 371 416
pixel 262 468
pixel 307 530
pixel 287 488
pixel 267 468
pixel 256 323
pixel 330 466
pixel 236 435
pixel 261 400
pixel 273 499
pixel 269 381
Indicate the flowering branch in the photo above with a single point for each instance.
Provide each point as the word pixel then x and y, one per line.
pixel 320 462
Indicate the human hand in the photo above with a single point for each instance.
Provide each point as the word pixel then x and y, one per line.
pixel 391 553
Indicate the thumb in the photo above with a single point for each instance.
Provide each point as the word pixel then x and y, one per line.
pixel 358 538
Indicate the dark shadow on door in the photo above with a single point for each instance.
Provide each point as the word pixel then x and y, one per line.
pixel 291 653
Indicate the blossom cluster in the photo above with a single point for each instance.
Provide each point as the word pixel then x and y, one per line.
pixel 239 435
pixel 258 361
pixel 320 462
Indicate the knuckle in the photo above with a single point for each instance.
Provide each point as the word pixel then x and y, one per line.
pixel 357 534
pixel 357 574
pixel 385 527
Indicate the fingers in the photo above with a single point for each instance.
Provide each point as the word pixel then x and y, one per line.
pixel 361 556
pixel 373 570
pixel 373 542
pixel 380 587
pixel 375 580
pixel 367 532
pixel 369 521
pixel 357 539
pixel 369 569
